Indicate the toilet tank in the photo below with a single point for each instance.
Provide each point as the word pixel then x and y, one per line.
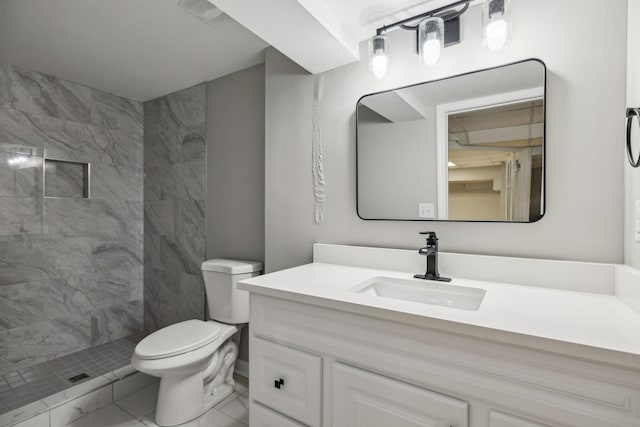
pixel 227 303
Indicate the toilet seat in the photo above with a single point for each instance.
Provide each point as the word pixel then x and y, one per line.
pixel 178 339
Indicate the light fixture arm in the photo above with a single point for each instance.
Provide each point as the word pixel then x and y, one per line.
pixel 440 28
pixel 435 12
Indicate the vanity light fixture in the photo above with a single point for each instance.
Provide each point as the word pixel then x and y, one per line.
pixel 496 23
pixel 431 40
pixel 440 28
pixel 378 60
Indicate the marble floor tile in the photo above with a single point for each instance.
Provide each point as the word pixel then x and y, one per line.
pixel 226 400
pixel 212 418
pixel 41 420
pixel 242 385
pixel 22 413
pixel 75 391
pixel 142 402
pixel 109 416
pixel 81 407
pixel 139 407
pixel 122 373
pixel 238 409
pixel 132 384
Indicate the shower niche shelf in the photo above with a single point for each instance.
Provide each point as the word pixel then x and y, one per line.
pixel 64 178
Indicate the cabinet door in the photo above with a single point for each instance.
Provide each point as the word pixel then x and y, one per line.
pixel 265 417
pixel 287 380
pixel 364 399
pixel 498 419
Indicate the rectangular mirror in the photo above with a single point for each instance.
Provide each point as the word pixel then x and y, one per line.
pixel 464 148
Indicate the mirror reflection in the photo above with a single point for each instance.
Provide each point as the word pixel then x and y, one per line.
pixel 466 148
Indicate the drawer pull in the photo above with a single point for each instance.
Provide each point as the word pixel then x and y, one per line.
pixel 278 383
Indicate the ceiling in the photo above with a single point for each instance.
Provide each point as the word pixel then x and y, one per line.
pixel 140 49
pixel 143 49
pixel 481 133
pixel 321 35
pixel 364 16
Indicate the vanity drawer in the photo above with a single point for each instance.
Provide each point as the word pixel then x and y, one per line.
pixel 500 419
pixel 265 417
pixel 286 380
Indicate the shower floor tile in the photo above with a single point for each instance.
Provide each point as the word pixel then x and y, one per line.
pixel 27 385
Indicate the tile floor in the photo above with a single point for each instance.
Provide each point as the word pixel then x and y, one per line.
pixel 24 386
pixel 138 410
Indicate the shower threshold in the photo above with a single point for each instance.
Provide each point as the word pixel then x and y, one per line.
pixel 39 382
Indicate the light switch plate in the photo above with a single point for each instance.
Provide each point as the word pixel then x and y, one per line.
pixel 637 221
pixel 426 210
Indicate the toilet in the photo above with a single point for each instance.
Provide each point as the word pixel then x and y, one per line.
pixel 195 359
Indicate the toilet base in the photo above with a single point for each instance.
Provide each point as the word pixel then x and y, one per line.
pixel 183 398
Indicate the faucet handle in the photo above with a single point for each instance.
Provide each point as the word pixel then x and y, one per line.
pixel 432 239
pixel 432 234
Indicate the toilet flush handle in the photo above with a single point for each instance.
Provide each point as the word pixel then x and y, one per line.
pixel 278 383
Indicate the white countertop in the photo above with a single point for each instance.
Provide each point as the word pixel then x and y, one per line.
pixel 593 327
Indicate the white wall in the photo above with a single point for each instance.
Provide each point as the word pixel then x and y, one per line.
pixel 392 155
pixel 631 175
pixel 586 97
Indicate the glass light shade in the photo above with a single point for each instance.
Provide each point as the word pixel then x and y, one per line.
pixel 431 40
pixel 378 60
pixel 496 23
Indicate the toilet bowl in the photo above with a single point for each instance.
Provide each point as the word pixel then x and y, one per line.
pixel 195 359
pixel 182 355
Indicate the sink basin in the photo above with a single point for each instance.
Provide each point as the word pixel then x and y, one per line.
pixel 422 291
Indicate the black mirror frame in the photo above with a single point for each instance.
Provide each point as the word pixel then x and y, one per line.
pixel 544 146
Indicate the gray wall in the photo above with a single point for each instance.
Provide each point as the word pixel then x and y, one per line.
pixel 174 207
pixel 235 169
pixel 586 94
pixel 70 269
pixel 235 166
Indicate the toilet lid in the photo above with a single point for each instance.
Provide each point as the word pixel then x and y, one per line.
pixel 177 339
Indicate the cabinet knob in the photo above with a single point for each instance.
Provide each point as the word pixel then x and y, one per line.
pixel 278 383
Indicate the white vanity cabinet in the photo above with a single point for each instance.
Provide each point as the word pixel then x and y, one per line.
pixel 363 399
pixel 288 381
pixel 498 419
pixel 322 367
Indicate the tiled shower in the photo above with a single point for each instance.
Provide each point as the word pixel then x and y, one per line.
pixel 174 207
pixel 80 246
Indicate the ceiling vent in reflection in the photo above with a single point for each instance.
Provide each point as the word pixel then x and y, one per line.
pixel 204 11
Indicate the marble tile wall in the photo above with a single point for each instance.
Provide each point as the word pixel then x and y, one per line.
pixel 71 269
pixel 174 207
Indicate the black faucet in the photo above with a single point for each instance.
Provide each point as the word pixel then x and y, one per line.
pixel 431 251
